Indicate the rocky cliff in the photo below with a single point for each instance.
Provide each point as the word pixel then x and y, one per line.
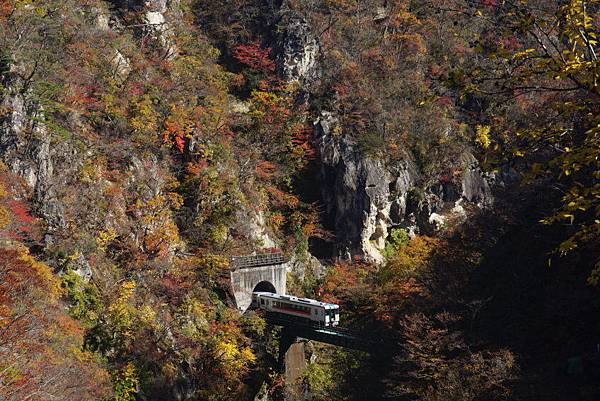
pixel 366 196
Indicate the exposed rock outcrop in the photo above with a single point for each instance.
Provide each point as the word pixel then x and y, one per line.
pixel 298 59
pixel 475 188
pixel 252 226
pixel 366 196
pixel 25 149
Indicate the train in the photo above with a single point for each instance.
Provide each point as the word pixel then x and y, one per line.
pixel 302 310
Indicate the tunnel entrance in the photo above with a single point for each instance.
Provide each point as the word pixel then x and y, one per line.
pixel 264 286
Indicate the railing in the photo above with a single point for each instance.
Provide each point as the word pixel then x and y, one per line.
pixel 339 336
pixel 266 259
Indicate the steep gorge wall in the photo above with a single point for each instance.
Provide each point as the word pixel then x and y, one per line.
pixel 366 195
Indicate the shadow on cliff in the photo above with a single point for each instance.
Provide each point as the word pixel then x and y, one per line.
pixel 500 275
pixel 533 302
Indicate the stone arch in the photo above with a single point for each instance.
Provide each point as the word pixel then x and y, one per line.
pixel 244 281
pixel 264 286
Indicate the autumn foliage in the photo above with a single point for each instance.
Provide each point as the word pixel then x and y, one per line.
pixel 40 345
pixel 254 56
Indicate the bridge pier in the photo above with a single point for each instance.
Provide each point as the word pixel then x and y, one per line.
pixel 292 361
pixel 286 339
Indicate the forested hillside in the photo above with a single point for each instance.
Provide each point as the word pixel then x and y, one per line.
pixel 431 166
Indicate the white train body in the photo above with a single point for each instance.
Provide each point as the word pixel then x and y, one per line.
pixel 309 311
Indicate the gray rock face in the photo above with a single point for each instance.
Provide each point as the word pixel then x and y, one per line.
pixel 157 23
pixel 300 51
pixel 82 268
pixel 251 224
pixel 363 196
pixel 475 187
pixel 366 198
pixel 25 149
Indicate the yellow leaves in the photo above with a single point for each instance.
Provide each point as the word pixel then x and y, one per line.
pixel 523 54
pixel 226 351
pixel 121 313
pixel 247 355
pixel 105 237
pixel 126 383
pixel 5 219
pixel 414 255
pixel 212 265
pixel 262 102
pixel 144 117
pixel 232 358
pixel 90 171
pixel 156 230
pixel 482 136
pixel 594 277
pixel 147 315
pixel 53 289
pixel 337 131
pixel 195 319
pixel 127 289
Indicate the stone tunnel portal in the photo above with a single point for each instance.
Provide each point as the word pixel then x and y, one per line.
pixel 264 286
pixel 251 273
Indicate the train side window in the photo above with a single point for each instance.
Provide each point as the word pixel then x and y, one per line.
pixel 262 301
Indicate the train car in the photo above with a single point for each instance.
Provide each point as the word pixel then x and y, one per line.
pixel 304 310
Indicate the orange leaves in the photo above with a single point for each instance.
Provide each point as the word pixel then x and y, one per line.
pixel 302 145
pixel 413 42
pixel 277 220
pixel 343 279
pixel 178 127
pixel 281 198
pixel 6 8
pixel 381 293
pixel 196 168
pixel 265 170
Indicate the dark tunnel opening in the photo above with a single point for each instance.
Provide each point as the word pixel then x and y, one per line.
pixel 264 286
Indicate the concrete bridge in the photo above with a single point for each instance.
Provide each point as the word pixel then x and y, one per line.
pixel 265 272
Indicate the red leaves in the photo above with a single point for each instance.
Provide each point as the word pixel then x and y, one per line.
pixel 21 212
pixel 301 140
pixel 15 220
pixel 255 57
pixel 511 44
